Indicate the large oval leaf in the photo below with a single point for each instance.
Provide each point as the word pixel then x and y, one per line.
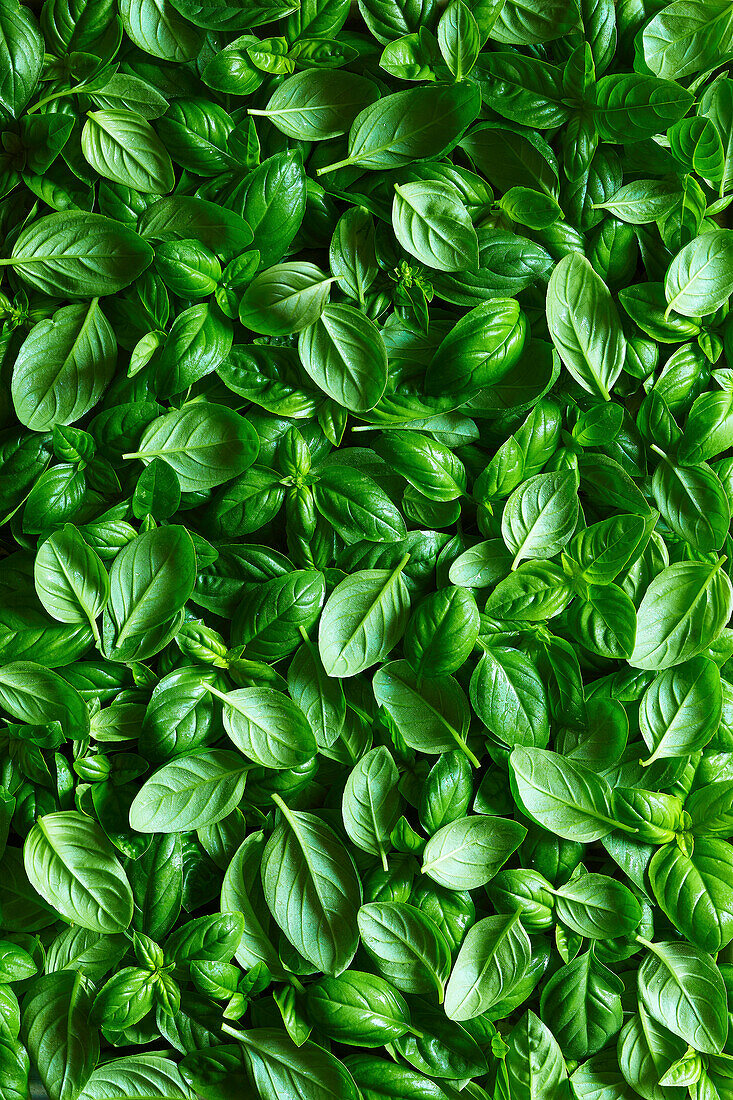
pixel 73 866
pixel 205 444
pixel 63 367
pixel 312 889
pixel 682 988
pixel 364 618
pixel 34 694
pixel 124 148
pixel 139 1077
pixel 73 254
pixel 57 1031
pixel 280 1068
pixel 406 945
pixel 467 853
pixel 344 354
pixel 267 726
pixel 584 325
pixel 683 611
pixel 150 580
pixel 492 959
pixel 189 793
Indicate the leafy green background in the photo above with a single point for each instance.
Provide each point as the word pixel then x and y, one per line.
pixel 366 418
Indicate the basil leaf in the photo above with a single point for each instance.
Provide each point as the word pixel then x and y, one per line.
pixel 492 959
pixel 72 865
pixel 317 909
pixel 75 254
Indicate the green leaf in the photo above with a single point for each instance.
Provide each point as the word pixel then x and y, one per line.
pixel 535 1067
pixel 681 709
pixel 284 299
pixel 71 581
pixel 480 350
pixel 407 947
pixel 63 367
pixel 75 254
pixel 693 503
pixel 631 107
pixel 515 86
pixel 241 892
pixel 597 907
pixel 271 614
pixel 182 217
pixel 32 693
pixel 642 201
pixel 564 797
pixel 267 727
pixel 585 326
pixel 492 960
pixel 432 715
pixel 442 632
pixel 315 903
pixel 431 223
pixel 156 27
pixel 21 57
pixel 364 618
pixel 314 105
pixel 72 865
pixel 681 987
pixel 370 802
pixel 683 611
pixel 696 144
pixel 63 1044
pixel 344 353
pixel 150 580
pixel 604 620
pixel 646 1049
pixel 467 853
pixel 124 148
pixel 358 1009
pixel 459 38
pixel 684 38
pixel 698 280
pixel 582 1001
pixel 540 516
pixel 198 343
pixel 509 697
pixel 319 696
pixel 534 592
pixel 275 1063
pixel 189 793
pixel 139 1076
pixel 693 890
pixel 412 125
pixel 357 506
pixel 206 444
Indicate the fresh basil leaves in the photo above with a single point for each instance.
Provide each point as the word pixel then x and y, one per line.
pixel 366 668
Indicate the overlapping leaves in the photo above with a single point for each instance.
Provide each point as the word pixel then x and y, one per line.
pixel 365 566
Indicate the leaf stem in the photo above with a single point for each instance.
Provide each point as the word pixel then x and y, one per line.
pixel 55 95
pixel 651 759
pixel 401 564
pixel 332 167
pixel 216 692
pixel 472 759
pixel 284 810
